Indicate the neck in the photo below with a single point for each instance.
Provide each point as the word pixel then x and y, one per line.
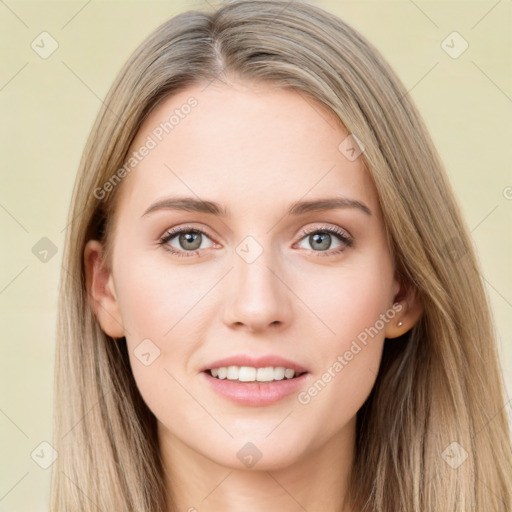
pixel 317 480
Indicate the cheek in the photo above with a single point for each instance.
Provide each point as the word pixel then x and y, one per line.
pixel 161 313
pixel 155 297
pixel 348 299
pixel 353 305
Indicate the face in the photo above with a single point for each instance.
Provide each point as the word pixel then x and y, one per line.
pixel 261 280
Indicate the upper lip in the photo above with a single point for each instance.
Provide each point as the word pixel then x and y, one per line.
pixel 262 361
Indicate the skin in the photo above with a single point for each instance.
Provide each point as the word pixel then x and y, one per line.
pixel 255 150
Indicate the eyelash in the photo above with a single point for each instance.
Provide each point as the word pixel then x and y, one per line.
pixel 169 235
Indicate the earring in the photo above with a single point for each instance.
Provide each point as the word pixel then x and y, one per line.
pixel 400 323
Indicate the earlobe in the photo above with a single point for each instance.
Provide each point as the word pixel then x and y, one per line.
pixel 408 308
pixel 101 291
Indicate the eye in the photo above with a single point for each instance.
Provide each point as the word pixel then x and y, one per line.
pixel 187 241
pixel 184 241
pixel 323 238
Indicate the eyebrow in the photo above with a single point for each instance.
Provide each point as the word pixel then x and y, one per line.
pixel 191 204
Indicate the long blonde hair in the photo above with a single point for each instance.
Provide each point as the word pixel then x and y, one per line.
pixel 432 435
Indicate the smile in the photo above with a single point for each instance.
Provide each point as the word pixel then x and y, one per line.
pixel 253 374
pixel 229 384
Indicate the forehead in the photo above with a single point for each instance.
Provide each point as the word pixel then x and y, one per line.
pixel 245 146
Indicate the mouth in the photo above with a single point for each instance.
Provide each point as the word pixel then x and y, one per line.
pixel 250 374
pixel 255 380
pixel 255 386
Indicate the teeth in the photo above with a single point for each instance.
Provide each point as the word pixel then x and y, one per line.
pixel 265 374
pixel 232 373
pixel 245 373
pixel 251 374
pixel 289 373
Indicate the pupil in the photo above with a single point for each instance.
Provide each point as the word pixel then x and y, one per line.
pixel 190 238
pixel 321 240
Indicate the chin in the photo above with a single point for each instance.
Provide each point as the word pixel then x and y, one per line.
pixel 258 456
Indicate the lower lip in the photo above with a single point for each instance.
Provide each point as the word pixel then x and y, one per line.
pixel 255 393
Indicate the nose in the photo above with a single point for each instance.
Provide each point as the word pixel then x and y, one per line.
pixel 258 297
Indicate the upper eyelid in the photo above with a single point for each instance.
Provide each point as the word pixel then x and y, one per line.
pixel 306 231
pixel 180 229
pixel 302 233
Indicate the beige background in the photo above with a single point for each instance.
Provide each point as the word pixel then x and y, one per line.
pixel 48 106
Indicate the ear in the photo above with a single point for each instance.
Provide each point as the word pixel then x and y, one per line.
pixel 101 291
pixel 408 308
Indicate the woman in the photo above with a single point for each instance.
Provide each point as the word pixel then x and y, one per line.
pixel 270 299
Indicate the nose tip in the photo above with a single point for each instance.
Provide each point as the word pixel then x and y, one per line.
pixel 257 298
